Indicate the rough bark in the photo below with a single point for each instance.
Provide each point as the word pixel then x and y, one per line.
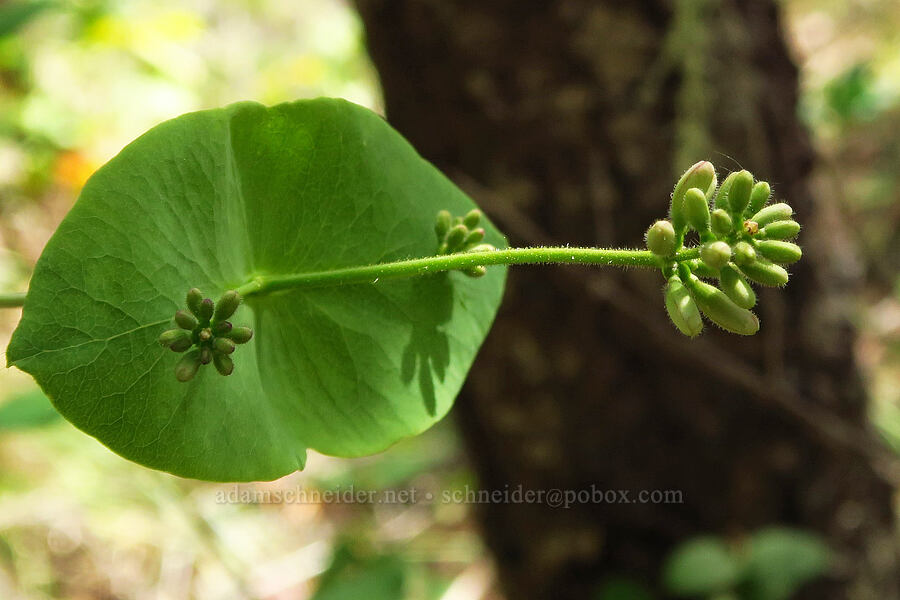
pixel 567 120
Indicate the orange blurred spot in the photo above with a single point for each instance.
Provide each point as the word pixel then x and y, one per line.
pixel 72 170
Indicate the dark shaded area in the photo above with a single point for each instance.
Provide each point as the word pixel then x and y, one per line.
pixel 568 122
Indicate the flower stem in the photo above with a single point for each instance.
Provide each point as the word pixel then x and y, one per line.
pixel 265 284
pixel 12 300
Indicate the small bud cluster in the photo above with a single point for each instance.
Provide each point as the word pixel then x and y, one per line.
pixel 205 334
pixel 462 234
pixel 742 238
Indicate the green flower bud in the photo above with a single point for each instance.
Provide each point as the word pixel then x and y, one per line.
pixel 715 254
pixel 240 335
pixel 482 248
pixel 221 328
pixel 724 191
pixel 779 252
pixel 702 175
pixel 178 340
pixel 696 210
pixel 205 312
pixel 476 271
pixel 442 223
pixel 185 320
pixel 772 213
pixel 744 254
pixel 194 298
pixel 780 230
pixel 475 236
pixel 763 272
pixel 720 221
pixel 758 197
pixel 472 218
pixel 700 269
pixel 456 236
pixel 226 305
pixel 205 355
pixel 721 310
pixel 224 364
pixel 739 194
pixel 223 345
pixel 732 282
pixel 187 366
pixel 205 334
pixel 660 238
pixel 682 309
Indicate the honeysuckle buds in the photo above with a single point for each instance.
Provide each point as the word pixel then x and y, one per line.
pixel 682 309
pixel 206 334
pixel 741 241
pixel 735 286
pixel 739 195
pixel 443 223
pixel 780 230
pixel 715 254
pixel 758 197
pixel 660 238
pixel 185 320
pixel 456 236
pixel 772 213
pixel 720 309
pixel 702 175
pixel 696 210
pixel 780 252
pixel 464 235
pixel 473 238
pixel 765 273
pixel 720 222
pixel 472 218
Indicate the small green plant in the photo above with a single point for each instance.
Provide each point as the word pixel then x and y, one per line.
pixel 313 223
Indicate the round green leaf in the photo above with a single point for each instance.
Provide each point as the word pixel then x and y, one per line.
pixel 210 200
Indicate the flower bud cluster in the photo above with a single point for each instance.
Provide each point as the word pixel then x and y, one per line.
pixel 205 334
pixel 742 239
pixel 462 234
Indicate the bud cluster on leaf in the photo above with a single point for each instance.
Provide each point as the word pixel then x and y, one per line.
pixel 462 234
pixel 205 334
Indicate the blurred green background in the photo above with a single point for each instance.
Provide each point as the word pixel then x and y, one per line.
pixel 79 80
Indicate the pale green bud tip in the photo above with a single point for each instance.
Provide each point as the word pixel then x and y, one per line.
pixel 240 335
pixel 780 252
pixel 682 309
pixel 194 298
pixel 187 367
pixel 456 236
pixel 780 230
pixel 475 236
pixel 739 195
pixel 772 213
pixel 696 209
pixel 476 271
pixel 701 175
pixel 765 273
pixel 721 221
pixel 223 345
pixel 660 238
pixel 226 305
pixel 472 218
pixel 715 254
pixel 178 340
pixel 759 196
pixel 744 253
pixel 205 312
pixel 443 223
pixel 736 287
pixel 224 364
pixel 185 320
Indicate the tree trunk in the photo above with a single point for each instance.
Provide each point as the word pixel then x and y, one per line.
pixel 569 121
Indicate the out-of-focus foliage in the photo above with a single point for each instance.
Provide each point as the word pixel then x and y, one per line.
pixel 850 68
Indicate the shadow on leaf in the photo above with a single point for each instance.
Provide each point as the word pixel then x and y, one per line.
pixel 427 353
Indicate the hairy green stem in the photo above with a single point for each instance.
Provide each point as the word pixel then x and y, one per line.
pixel 12 300
pixel 464 260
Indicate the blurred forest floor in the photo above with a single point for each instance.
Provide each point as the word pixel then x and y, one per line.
pixel 79 80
